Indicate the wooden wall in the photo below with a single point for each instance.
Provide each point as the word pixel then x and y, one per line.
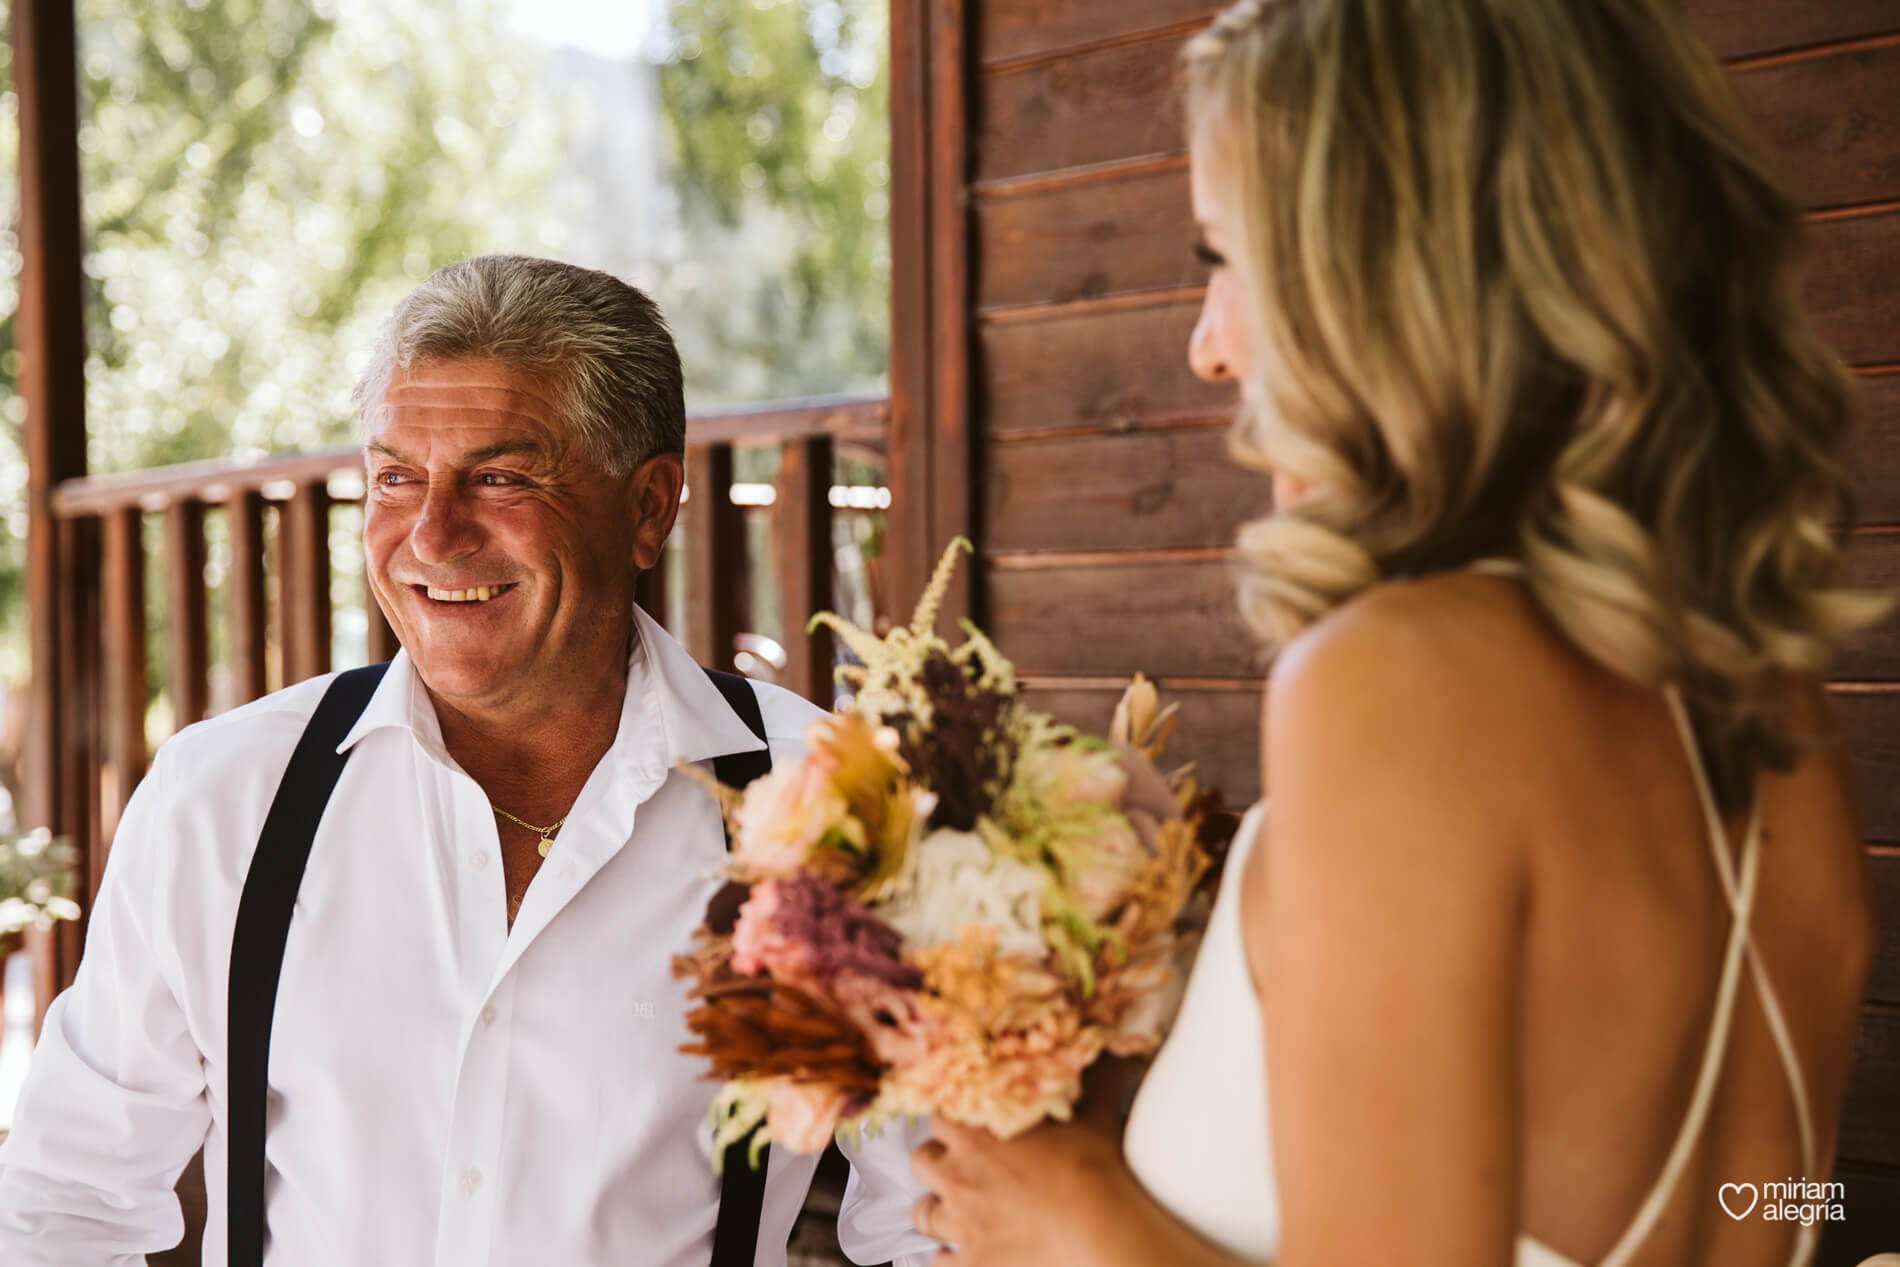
pixel 1106 507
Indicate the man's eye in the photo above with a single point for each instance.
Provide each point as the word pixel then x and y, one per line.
pixel 389 479
pixel 494 479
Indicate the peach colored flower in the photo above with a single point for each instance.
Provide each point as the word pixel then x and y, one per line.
pixel 896 1022
pixel 802 1116
pixel 783 816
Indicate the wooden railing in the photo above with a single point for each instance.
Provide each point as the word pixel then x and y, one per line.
pixel 280 583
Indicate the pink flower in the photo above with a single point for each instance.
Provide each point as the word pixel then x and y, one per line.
pixel 802 1116
pixel 806 933
pixel 759 945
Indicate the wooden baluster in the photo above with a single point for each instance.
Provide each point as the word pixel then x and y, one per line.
pixel 716 564
pixel 304 580
pixel 188 624
pixel 244 595
pixel 125 658
pixel 801 539
pixel 78 699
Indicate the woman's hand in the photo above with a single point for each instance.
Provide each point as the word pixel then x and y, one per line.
pixel 1056 1194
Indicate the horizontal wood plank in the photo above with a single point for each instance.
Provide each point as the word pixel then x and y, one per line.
pixel 1167 619
pixel 1870 721
pixel 1098 106
pixel 1153 490
pixel 1135 234
pixel 1109 370
pixel 1874 654
pixel 1178 619
pixel 1833 122
pixel 1080 241
pixel 1884 870
pixel 1010 30
pixel 1873 450
pixel 1870 1118
pixel 1180 488
pixel 1850 286
pixel 1745 28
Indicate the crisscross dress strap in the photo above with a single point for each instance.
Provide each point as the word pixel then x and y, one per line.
pixel 1740 894
pixel 1807 1237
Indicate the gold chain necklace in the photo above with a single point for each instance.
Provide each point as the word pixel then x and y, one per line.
pixel 545 833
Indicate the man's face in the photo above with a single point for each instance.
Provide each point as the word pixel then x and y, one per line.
pixel 502 558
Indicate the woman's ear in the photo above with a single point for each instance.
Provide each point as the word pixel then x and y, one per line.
pixel 656 504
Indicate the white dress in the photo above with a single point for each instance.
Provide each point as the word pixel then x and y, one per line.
pixel 1199 1137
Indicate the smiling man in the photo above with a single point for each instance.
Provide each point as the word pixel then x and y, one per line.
pixel 462 1047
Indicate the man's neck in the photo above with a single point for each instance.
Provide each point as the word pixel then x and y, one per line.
pixel 533 759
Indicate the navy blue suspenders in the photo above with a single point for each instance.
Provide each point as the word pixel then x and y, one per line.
pixel 263 927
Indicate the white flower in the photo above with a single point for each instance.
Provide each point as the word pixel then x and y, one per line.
pixel 951 880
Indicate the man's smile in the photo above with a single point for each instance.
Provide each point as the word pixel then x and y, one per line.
pixel 477 594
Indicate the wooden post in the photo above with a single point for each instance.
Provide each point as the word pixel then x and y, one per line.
pixel 907 539
pixel 244 595
pixel 801 539
pixel 125 657
pixel 716 564
pixel 932 456
pixel 50 329
pixel 188 625
pixel 304 581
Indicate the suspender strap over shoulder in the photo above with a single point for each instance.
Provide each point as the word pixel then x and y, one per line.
pixel 263 930
pixel 257 943
pixel 741 1188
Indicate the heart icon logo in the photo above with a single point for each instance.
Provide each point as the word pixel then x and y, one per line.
pixel 1754 1195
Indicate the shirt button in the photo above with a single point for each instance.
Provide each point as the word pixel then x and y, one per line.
pixel 478 860
pixel 488 1016
pixel 471 1180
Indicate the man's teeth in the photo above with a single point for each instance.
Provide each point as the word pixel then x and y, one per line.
pixel 480 594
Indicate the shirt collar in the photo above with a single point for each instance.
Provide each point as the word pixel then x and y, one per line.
pixel 695 722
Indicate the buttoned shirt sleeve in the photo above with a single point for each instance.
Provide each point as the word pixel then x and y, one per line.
pixel 874 1222
pixel 114 1102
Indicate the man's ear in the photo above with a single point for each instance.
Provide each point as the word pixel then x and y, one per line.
pixel 656 504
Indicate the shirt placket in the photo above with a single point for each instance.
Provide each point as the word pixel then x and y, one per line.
pixel 466 1220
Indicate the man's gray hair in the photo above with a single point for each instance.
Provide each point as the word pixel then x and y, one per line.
pixel 598 343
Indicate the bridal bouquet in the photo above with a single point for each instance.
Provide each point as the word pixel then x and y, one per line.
pixel 951 905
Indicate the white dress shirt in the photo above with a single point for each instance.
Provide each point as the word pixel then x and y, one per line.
pixel 443 1089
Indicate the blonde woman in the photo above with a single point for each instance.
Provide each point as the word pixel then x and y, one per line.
pixel 1559 922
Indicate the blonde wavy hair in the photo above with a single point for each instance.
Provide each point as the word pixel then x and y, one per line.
pixel 1524 284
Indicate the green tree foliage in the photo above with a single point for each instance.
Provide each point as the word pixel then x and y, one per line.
pixel 262 179
pixel 777 125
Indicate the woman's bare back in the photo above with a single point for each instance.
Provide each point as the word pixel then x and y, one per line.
pixel 1627 923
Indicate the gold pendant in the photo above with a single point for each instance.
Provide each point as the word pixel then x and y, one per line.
pixel 547 843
